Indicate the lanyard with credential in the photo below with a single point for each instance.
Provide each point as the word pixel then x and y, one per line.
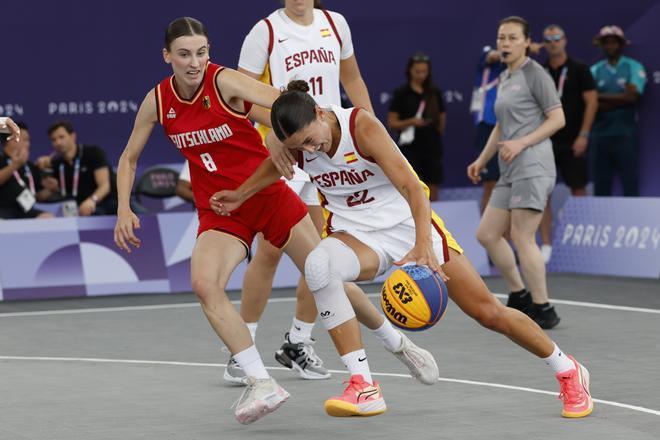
pixel 28 174
pixel 76 176
pixel 562 80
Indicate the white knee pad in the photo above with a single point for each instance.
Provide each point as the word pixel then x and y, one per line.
pixel 330 256
pixel 326 268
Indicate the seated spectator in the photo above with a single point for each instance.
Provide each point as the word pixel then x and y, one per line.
pixel 418 112
pixel 20 179
pixel 81 172
pixel 183 185
pixel 620 82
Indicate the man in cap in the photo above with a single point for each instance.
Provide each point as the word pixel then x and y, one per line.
pixel 620 82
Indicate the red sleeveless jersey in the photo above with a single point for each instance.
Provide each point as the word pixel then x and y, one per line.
pixel 220 143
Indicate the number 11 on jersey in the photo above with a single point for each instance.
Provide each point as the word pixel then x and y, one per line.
pixel 208 162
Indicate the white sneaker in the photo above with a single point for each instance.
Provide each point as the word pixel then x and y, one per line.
pixel 420 362
pixel 546 252
pixel 261 397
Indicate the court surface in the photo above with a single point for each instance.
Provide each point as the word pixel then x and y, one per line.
pixel 149 367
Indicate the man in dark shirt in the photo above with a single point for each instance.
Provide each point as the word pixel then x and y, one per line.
pixel 20 179
pixel 80 172
pixel 579 100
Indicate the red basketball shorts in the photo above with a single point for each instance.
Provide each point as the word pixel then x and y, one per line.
pixel 273 212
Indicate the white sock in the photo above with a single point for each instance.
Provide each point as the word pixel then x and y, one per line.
pixel 558 361
pixel 250 361
pixel 300 331
pixel 252 326
pixel 356 362
pixel 390 338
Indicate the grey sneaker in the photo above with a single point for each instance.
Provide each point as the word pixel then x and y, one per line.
pixel 420 362
pixel 233 373
pixel 260 397
pixel 302 358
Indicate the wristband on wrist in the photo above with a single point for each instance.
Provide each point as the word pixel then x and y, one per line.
pixel 584 134
pixel 94 198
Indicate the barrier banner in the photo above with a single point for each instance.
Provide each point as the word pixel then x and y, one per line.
pixel 608 236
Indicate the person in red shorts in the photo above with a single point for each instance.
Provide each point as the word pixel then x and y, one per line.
pixel 204 108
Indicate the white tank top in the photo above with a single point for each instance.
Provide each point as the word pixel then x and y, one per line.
pixel 353 187
pixel 310 53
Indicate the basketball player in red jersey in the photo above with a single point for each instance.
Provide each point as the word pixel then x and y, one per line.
pixel 203 108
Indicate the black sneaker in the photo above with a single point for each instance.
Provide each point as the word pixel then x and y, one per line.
pixel 302 358
pixel 544 315
pixel 521 300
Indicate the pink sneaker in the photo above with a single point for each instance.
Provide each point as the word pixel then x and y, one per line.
pixel 360 398
pixel 574 391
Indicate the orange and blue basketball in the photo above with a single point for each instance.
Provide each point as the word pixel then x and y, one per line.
pixel 414 298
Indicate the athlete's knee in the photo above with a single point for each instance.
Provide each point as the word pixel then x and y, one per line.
pixel 206 289
pixel 491 315
pixel 317 269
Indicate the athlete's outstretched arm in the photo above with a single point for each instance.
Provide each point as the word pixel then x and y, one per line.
pixel 126 220
pixel 225 201
pixel 236 86
pixel 374 141
pixel 257 113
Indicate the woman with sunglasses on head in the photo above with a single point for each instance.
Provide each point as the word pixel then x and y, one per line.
pixel 528 111
pixel 417 111
pixel 379 215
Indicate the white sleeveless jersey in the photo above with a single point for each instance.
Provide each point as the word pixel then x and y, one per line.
pixel 354 189
pixel 310 53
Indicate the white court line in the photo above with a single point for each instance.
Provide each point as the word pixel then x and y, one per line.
pixel 407 376
pixel 290 299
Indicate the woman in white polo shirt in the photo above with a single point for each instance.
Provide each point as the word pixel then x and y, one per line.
pixel 528 111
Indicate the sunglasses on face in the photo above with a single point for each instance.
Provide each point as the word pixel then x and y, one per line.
pixel 551 38
pixel 420 58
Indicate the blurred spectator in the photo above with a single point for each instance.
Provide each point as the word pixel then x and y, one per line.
pixel 183 185
pixel 81 172
pixel 620 82
pixel 20 179
pixel 579 99
pixel 483 108
pixel 8 126
pixel 418 112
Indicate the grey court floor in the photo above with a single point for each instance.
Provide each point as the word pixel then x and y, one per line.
pixel 149 367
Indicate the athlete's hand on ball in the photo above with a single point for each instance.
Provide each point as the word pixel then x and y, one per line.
pixel 423 254
pixel 280 155
pixel 225 201
pixel 474 171
pixel 126 222
pixel 510 149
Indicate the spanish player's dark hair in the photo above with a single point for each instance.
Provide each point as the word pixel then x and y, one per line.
pixel 183 27
pixel 293 110
pixel 524 24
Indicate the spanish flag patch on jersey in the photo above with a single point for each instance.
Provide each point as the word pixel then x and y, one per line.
pixel 326 32
pixel 350 157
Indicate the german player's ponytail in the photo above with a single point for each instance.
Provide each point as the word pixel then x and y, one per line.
pixel 293 110
pixel 183 27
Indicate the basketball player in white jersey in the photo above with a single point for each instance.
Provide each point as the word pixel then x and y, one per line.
pixel 299 41
pixel 379 215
